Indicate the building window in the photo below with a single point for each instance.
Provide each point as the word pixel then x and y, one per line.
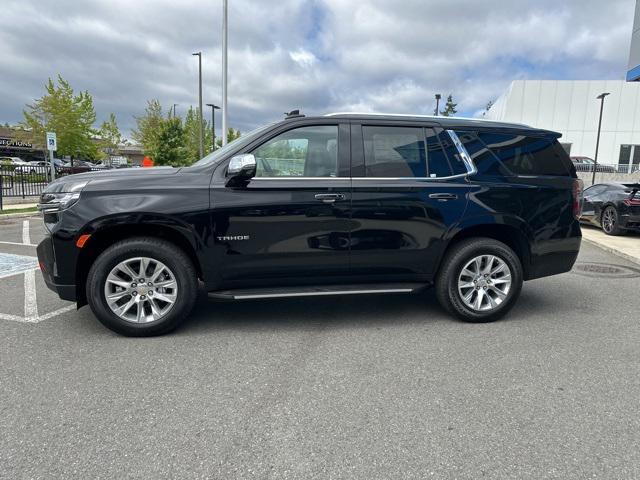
pixel 629 159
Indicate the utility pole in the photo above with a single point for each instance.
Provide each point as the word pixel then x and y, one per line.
pixel 224 70
pixel 438 97
pixel 213 124
pixel 595 160
pixel 201 144
pixel 174 109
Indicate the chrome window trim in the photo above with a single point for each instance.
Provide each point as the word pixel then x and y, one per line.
pixel 301 178
pixel 466 158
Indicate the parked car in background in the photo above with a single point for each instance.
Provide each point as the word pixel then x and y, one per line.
pixel 337 205
pixel 38 166
pixel 586 164
pixel 614 207
pixel 12 161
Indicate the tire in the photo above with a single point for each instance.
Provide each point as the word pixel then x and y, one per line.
pixel 610 221
pixel 496 298
pixel 167 302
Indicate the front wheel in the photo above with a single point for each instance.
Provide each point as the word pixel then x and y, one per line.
pixel 142 287
pixel 480 280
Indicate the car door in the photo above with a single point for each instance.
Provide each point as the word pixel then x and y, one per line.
pixel 592 203
pixel 290 223
pixel 405 198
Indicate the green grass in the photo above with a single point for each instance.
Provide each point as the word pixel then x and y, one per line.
pixel 19 210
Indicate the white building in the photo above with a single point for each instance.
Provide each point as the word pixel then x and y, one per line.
pixel 571 108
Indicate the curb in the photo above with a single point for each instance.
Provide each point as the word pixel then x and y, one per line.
pixel 618 253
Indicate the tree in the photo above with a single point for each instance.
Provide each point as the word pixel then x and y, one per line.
pixel 70 116
pixel 232 134
pixel 192 134
pixel 449 108
pixel 171 146
pixel 110 136
pixel 149 127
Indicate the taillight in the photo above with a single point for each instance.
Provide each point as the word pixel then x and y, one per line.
pixel 578 185
pixel 631 202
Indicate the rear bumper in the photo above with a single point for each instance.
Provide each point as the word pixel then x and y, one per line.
pixel 554 256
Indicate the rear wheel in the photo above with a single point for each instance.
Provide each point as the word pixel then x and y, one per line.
pixel 610 221
pixel 142 287
pixel 480 280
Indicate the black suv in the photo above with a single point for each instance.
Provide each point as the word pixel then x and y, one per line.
pixel 337 204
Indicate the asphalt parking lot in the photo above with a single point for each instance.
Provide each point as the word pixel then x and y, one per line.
pixel 346 387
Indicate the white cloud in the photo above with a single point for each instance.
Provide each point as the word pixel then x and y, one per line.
pixel 317 55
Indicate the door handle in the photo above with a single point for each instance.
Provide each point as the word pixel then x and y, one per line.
pixel 329 197
pixel 444 196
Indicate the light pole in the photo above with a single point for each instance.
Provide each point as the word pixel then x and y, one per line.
pixel 213 123
pixel 201 145
pixel 438 97
pixel 595 160
pixel 174 109
pixel 224 70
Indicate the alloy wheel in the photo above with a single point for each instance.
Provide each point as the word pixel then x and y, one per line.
pixel 609 220
pixel 141 290
pixel 484 283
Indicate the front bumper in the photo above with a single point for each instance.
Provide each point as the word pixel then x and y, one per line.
pixel 49 269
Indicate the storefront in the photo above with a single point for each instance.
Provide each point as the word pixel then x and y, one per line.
pixel 17 143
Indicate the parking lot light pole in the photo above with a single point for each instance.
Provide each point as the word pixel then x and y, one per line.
pixel 438 97
pixel 213 124
pixel 201 145
pixel 224 69
pixel 595 159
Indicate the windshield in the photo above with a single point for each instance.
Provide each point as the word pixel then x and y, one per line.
pixel 219 154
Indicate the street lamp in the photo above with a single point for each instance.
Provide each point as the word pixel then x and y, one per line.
pixel 201 146
pixel 213 123
pixel 438 97
pixel 595 160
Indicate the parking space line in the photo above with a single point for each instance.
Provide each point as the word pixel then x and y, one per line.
pixel 26 236
pixel 18 243
pixel 30 300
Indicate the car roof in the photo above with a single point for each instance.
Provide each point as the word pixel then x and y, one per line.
pixel 445 122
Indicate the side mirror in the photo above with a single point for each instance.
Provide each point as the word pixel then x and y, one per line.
pixel 241 168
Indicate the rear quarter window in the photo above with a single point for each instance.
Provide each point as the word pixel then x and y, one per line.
pixel 528 155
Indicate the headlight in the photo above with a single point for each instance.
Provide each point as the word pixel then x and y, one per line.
pixel 51 202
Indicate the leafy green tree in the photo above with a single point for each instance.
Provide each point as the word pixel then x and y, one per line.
pixel 449 108
pixel 149 127
pixel 69 115
pixel 192 134
pixel 232 134
pixel 171 148
pixel 110 136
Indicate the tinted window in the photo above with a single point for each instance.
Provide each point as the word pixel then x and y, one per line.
pixel 524 155
pixel 438 161
pixel 394 152
pixel 481 156
pixel 301 152
pixel 595 190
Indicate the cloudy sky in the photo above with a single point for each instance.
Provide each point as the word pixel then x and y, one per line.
pixel 317 55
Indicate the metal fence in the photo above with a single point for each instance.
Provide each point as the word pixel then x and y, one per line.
pixel 29 180
pixel 608 168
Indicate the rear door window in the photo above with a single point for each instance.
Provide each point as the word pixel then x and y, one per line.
pixel 394 151
pixel 405 152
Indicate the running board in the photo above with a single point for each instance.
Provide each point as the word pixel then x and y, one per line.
pixel 283 292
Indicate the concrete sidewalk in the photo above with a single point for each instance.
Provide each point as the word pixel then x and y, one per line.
pixel 626 246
